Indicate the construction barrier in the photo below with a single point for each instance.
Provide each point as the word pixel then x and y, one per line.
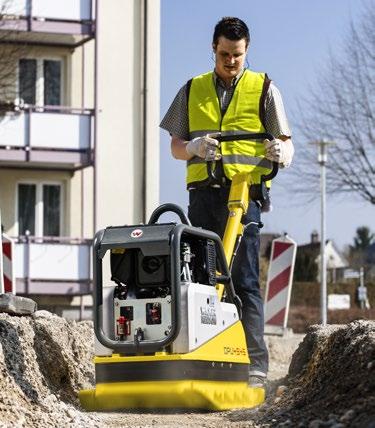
pixel 7 280
pixel 279 284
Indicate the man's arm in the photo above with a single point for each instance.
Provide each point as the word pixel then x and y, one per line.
pixel 178 148
pixel 204 147
pixel 176 122
pixel 281 149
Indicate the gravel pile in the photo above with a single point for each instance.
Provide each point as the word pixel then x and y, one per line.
pixel 331 381
pixel 45 360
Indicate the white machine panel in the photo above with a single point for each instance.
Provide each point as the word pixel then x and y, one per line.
pixel 203 316
pixel 139 311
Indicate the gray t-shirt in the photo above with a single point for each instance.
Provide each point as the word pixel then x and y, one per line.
pixel 176 120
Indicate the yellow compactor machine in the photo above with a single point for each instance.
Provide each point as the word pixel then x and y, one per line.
pixel 167 319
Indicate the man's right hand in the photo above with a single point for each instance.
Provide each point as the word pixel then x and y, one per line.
pixel 204 147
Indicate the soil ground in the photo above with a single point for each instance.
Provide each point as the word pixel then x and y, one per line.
pixel 325 378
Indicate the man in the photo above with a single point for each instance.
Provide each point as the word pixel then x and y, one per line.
pixel 231 99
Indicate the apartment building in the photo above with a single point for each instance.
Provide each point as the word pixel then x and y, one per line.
pixel 79 139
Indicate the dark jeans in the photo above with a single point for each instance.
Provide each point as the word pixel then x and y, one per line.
pixel 208 209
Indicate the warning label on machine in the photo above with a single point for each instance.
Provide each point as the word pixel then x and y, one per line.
pixel 208 314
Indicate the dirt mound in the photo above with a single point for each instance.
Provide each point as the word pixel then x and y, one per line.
pixel 44 361
pixel 331 380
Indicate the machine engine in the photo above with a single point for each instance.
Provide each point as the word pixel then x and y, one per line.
pixel 163 294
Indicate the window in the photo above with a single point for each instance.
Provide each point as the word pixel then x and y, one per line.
pixel 51 209
pixel 40 209
pixel 26 208
pixel 27 80
pixel 52 82
pixel 40 81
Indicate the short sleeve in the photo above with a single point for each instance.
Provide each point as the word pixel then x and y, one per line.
pixel 176 120
pixel 276 122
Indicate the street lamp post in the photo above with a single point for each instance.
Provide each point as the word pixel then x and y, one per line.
pixel 322 160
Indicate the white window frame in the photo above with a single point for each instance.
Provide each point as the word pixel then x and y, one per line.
pixel 39 204
pixel 39 84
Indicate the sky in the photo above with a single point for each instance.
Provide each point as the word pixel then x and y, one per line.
pixel 290 40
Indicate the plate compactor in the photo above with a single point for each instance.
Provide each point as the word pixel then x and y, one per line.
pixel 168 324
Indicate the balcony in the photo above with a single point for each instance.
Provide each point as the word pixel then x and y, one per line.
pixel 50 265
pixel 50 137
pixel 47 22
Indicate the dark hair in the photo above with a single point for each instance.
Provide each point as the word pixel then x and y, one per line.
pixel 232 29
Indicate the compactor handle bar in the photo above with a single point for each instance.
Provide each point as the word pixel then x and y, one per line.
pixel 245 136
pixel 169 208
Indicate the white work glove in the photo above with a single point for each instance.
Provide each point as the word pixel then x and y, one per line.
pixel 280 151
pixel 204 147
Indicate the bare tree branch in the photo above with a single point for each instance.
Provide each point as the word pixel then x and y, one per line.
pixel 11 51
pixel 341 107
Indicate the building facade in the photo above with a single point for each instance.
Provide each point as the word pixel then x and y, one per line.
pixel 79 138
pixel 308 261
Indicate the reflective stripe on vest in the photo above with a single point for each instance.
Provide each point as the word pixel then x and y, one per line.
pixel 242 115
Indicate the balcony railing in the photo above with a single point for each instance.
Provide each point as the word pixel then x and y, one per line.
pixel 47 22
pixel 50 265
pixel 51 137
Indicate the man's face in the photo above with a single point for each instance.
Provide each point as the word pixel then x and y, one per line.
pixel 230 57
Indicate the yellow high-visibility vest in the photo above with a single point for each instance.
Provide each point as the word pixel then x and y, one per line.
pixel 242 116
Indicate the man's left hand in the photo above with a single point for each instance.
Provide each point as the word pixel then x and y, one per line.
pixel 280 151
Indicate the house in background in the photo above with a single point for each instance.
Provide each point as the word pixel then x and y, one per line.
pixel 266 243
pixel 79 115
pixel 307 266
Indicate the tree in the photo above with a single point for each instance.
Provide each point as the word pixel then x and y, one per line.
pixel 11 50
pixel 363 239
pixel 358 252
pixel 306 268
pixel 341 108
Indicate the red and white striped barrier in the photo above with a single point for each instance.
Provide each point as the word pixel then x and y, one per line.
pixel 7 279
pixel 279 284
pixel 9 285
